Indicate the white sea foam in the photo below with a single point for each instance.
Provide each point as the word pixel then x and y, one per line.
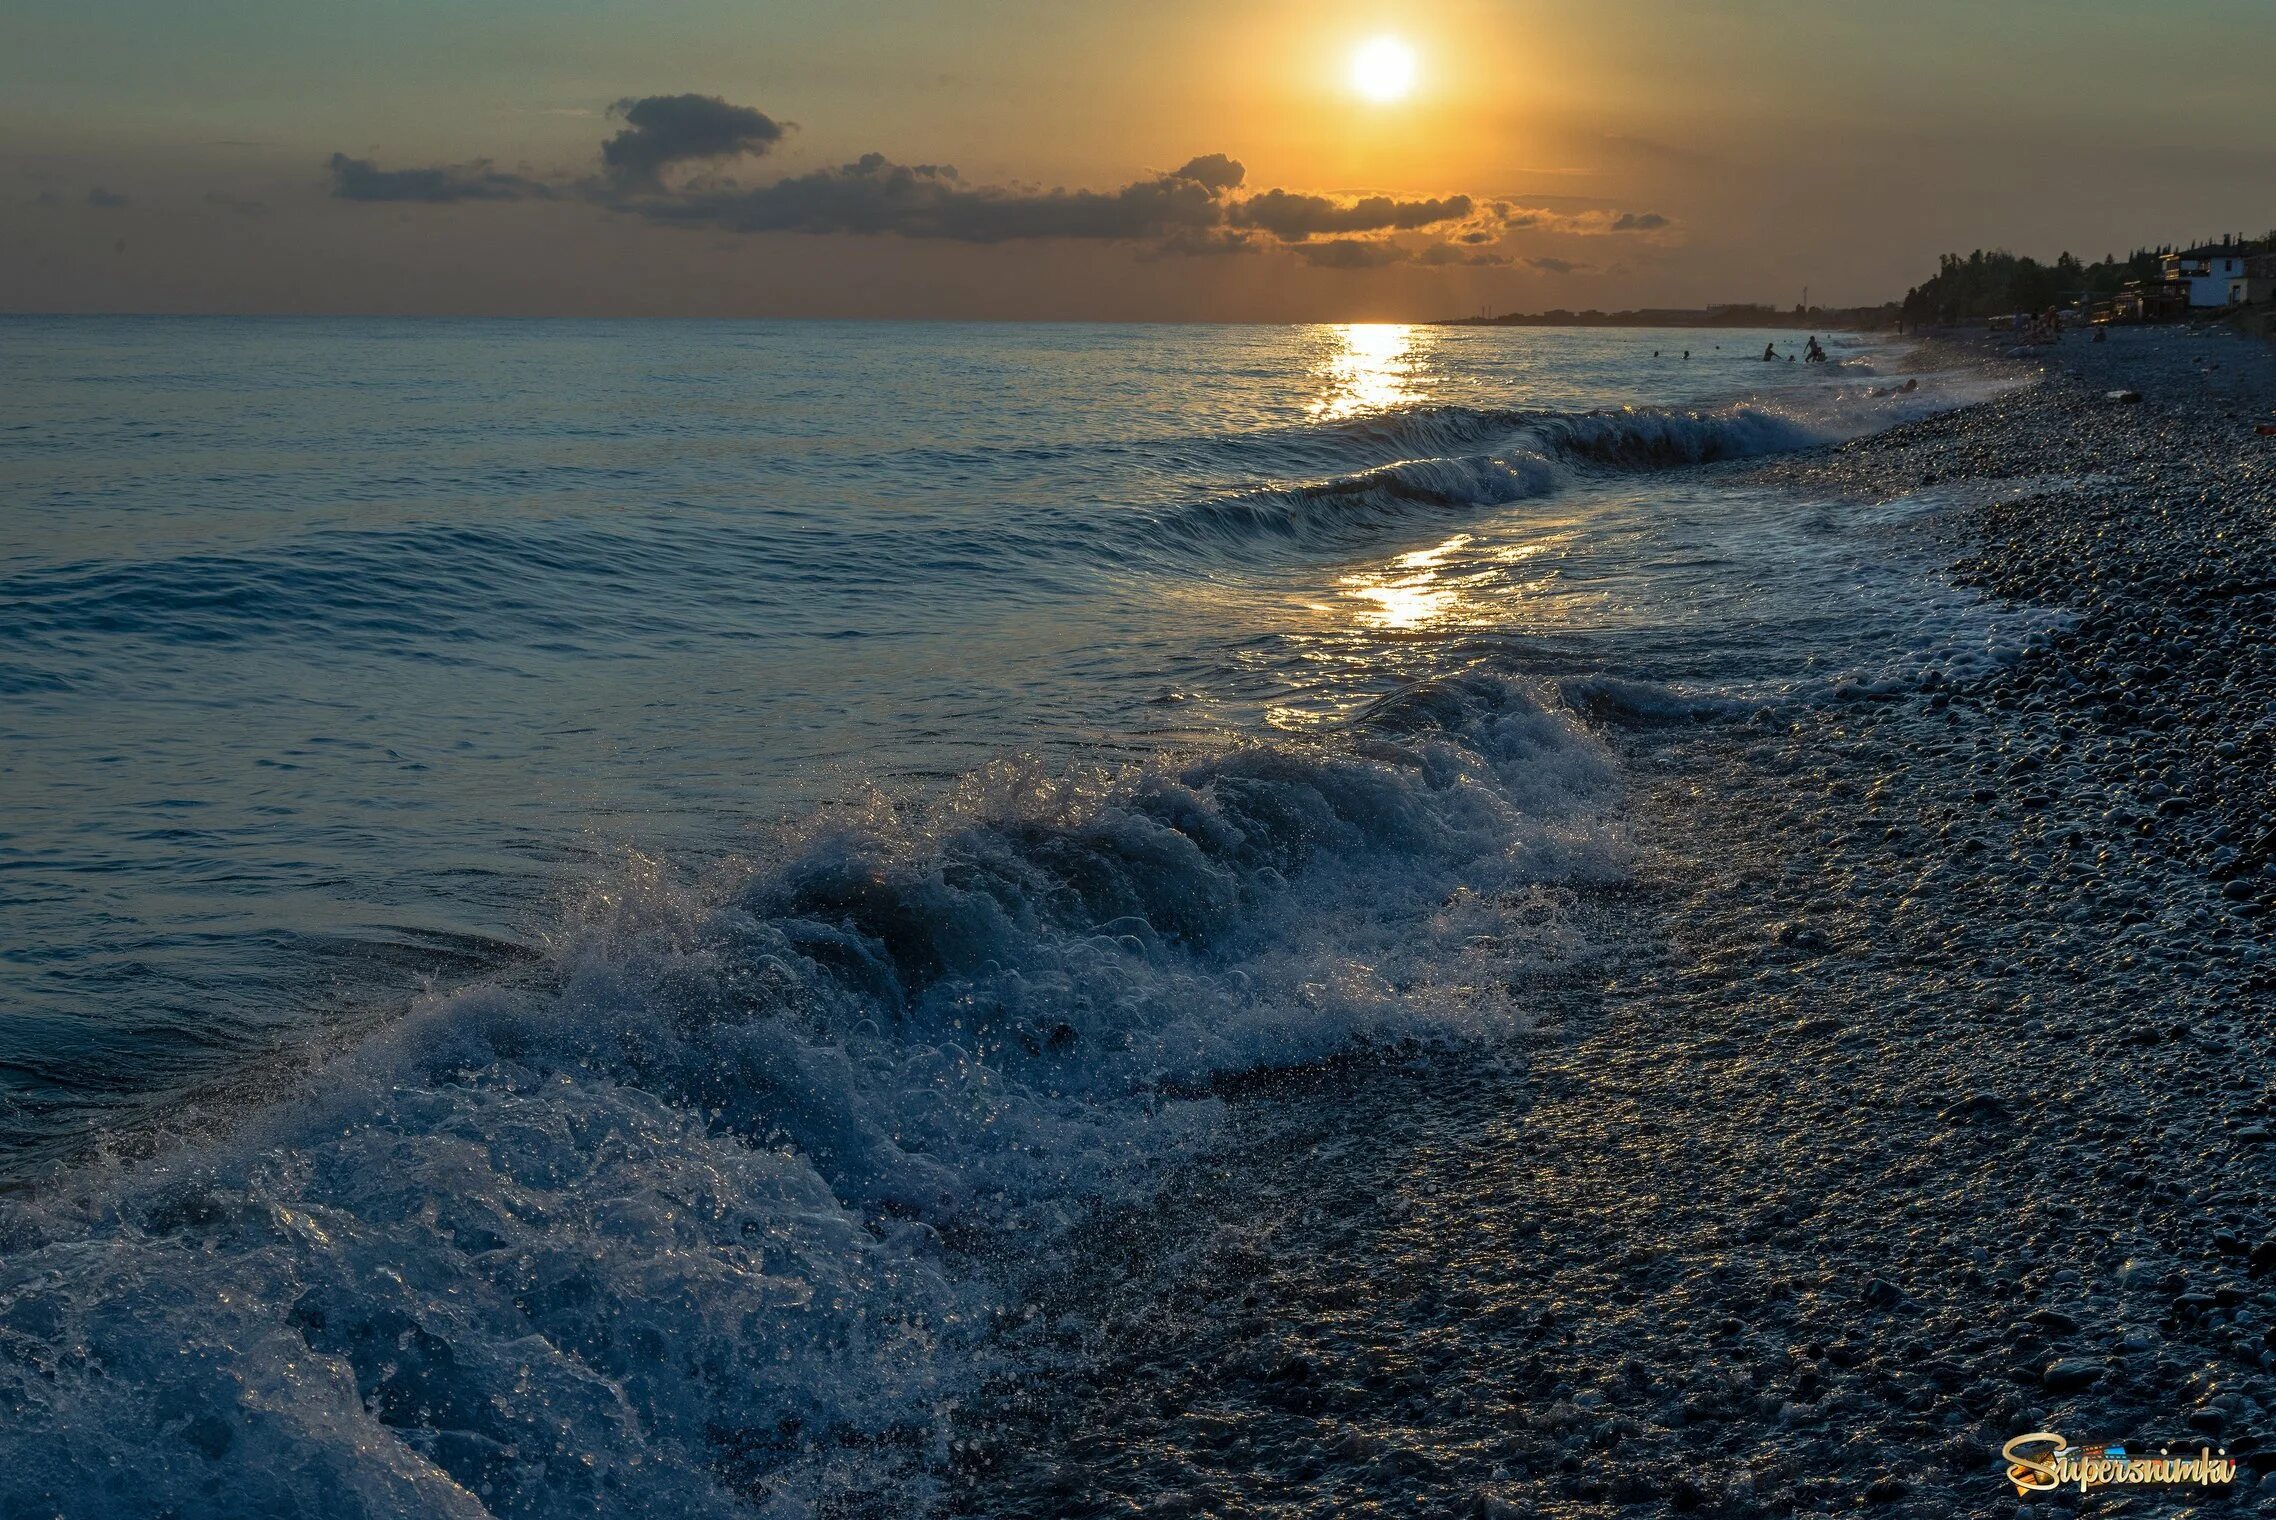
pixel 663 1228
pixel 1464 460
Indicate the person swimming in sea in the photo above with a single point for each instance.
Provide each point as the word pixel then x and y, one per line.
pixel 1813 353
pixel 1769 352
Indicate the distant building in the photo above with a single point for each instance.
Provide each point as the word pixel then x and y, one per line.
pixel 2206 273
pixel 2256 286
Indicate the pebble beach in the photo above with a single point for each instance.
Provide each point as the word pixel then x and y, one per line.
pixel 1917 1093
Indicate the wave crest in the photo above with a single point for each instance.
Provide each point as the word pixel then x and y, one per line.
pixel 1535 454
pixel 665 1224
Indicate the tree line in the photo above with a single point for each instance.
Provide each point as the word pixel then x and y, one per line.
pixel 1981 284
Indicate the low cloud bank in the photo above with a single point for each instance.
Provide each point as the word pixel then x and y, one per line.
pixel 874 196
pixel 359 179
pixel 1194 209
pixel 1591 223
pixel 1292 217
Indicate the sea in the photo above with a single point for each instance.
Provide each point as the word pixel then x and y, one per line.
pixel 585 900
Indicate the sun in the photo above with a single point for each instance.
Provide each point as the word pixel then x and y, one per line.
pixel 1383 69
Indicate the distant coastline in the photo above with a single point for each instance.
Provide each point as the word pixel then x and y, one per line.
pixel 2163 283
pixel 1853 318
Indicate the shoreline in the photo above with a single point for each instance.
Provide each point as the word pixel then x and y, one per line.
pixel 1924 1108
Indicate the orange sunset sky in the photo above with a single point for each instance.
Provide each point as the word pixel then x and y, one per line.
pixel 694 157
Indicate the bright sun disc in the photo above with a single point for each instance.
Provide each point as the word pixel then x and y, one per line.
pixel 1383 69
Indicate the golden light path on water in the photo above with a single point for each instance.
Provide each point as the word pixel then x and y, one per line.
pixel 1374 365
pixel 1442 586
pixel 1362 626
pixel 1412 592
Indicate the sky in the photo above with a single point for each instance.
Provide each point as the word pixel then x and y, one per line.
pixel 1079 159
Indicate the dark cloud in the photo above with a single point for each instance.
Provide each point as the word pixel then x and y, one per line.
pixel 1215 170
pixel 663 130
pixel 1293 217
pixel 107 200
pixel 223 201
pixel 359 179
pixel 1554 266
pixel 874 196
pixel 1193 209
pixel 1583 223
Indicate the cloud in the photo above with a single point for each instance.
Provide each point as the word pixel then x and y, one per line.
pixel 1293 217
pixel 1194 209
pixel 874 196
pixel 226 202
pixel 664 130
pixel 47 200
pixel 107 200
pixel 1595 223
pixel 1554 266
pixel 1215 170
pixel 359 179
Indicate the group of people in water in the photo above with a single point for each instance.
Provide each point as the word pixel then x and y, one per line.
pixel 1814 354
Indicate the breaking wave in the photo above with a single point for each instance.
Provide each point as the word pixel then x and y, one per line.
pixel 698 1216
pixel 470 586
pixel 1531 455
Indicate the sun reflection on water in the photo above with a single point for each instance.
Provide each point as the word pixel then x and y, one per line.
pixel 1412 591
pixel 1455 582
pixel 1374 365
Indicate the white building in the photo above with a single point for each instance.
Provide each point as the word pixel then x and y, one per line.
pixel 2207 272
pixel 2257 284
